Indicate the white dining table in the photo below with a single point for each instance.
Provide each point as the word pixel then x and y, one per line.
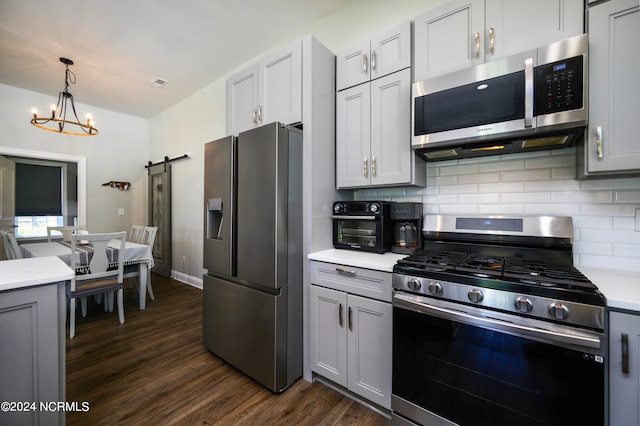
pixel 134 253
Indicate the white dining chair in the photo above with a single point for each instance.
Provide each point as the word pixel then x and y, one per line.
pixel 10 244
pixel 136 233
pixel 99 278
pixel 66 231
pixel 133 271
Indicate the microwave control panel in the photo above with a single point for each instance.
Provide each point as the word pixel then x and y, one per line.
pixel 559 86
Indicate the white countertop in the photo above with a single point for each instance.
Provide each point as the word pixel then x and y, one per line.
pixel 620 288
pixel 21 273
pixel 359 259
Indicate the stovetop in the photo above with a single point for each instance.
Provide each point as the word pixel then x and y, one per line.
pixel 531 276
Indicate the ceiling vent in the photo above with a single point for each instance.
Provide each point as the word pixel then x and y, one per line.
pixel 158 83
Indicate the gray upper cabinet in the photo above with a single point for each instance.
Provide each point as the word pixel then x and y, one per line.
pixel 464 33
pixel 614 60
pixel 379 56
pixel 268 91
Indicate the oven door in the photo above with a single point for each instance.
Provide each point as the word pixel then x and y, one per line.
pixel 358 232
pixel 457 364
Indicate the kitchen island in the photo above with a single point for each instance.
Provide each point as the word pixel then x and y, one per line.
pixel 32 332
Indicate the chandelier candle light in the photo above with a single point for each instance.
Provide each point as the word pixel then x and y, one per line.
pixel 58 118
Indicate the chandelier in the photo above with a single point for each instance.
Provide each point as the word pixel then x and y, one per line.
pixel 58 120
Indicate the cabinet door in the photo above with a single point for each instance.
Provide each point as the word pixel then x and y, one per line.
pixel 280 86
pixel 328 334
pixel 369 349
pixel 614 61
pixel 353 66
pixel 353 136
pixel 624 398
pixel 242 99
pixel 449 38
pixel 391 51
pixel 391 152
pixel 513 26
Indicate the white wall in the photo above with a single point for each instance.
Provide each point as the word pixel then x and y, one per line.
pixel 118 152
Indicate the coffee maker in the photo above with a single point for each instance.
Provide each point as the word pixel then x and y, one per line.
pixel 407 227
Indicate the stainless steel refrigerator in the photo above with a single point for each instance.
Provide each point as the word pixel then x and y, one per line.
pixel 252 304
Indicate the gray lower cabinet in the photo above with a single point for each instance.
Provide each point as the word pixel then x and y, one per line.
pixel 624 368
pixel 351 335
pixel 32 355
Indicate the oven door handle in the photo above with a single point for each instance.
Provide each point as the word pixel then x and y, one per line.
pixel 576 338
pixel 354 217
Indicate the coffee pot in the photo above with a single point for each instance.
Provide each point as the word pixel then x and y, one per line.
pixel 407 227
pixel 406 235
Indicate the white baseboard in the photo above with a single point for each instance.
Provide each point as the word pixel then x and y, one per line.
pixel 187 279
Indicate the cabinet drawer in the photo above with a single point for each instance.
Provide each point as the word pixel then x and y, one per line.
pixel 360 281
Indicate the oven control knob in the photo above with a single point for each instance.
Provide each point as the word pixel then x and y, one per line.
pixel 558 311
pixel 435 288
pixel 337 208
pixel 375 207
pixel 414 284
pixel 475 295
pixel 524 304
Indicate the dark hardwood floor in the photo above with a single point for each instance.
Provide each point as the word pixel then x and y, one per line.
pixel 153 369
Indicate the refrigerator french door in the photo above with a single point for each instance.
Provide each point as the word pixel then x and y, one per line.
pixel 252 302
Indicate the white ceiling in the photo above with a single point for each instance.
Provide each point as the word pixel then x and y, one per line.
pixel 120 46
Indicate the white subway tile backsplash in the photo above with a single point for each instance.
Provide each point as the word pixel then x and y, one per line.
pixel 479 178
pixel 503 209
pixel 479 198
pixel 552 185
pixel 538 183
pixel 526 175
pixel 582 197
pixel 623 196
pixel 552 209
pixel 526 197
pixel 584 247
pixel 593 222
pixel 501 187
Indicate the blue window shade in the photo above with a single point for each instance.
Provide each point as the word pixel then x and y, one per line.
pixel 38 190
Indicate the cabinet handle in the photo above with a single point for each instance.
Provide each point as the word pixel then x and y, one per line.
pixel 255 116
pixel 259 114
pixel 365 63
pixel 492 37
pixel 365 168
pixel 340 319
pixel 599 141
pixel 373 59
pixel 373 166
pixel 625 353
pixel 345 271
pixel 350 319
pixel 477 39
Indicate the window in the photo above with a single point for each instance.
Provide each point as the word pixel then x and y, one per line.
pixel 40 194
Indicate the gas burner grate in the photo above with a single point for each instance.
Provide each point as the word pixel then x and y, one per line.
pixel 482 266
pixel 546 274
pixel 433 260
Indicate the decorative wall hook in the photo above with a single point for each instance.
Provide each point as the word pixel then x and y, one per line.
pixel 122 186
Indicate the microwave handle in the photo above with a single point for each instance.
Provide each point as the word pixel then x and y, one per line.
pixel 528 92
pixel 345 217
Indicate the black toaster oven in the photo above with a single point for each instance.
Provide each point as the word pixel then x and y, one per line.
pixel 362 225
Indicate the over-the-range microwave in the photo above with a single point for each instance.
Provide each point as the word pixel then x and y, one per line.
pixel 530 101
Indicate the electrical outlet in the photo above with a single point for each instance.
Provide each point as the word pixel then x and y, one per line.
pixel 184 259
pixel 121 211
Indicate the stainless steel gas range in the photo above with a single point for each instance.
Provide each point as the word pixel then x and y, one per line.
pixel 492 324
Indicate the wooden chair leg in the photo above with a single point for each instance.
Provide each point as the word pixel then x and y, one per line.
pixel 83 306
pixel 149 286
